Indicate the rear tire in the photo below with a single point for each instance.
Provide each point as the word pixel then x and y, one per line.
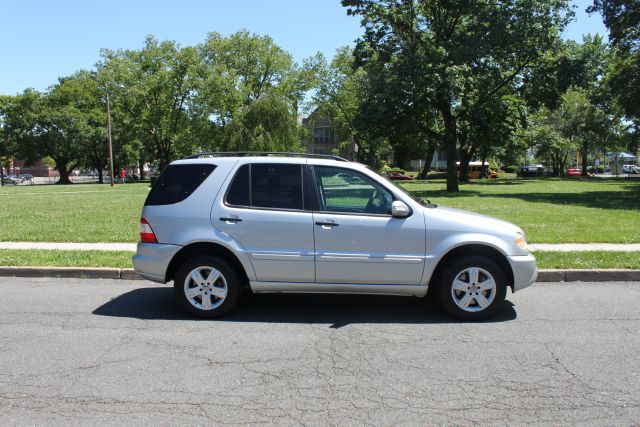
pixel 472 288
pixel 207 287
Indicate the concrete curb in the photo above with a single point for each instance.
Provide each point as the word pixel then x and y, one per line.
pixel 71 272
pixel 130 274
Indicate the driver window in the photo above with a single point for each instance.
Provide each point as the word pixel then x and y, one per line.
pixel 344 190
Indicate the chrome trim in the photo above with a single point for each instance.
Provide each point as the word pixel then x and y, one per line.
pixel 367 258
pixel 281 256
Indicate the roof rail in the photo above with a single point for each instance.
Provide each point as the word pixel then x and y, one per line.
pixel 265 153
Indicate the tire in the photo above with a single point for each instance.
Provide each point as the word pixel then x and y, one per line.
pixel 472 288
pixel 197 295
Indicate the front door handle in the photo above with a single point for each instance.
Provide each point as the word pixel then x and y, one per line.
pixel 327 224
pixel 231 219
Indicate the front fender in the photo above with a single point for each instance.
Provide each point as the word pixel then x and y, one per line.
pixel 443 247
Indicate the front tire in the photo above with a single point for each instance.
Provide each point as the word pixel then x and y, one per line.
pixel 472 288
pixel 207 287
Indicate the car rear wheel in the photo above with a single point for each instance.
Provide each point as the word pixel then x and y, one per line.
pixel 207 287
pixel 472 288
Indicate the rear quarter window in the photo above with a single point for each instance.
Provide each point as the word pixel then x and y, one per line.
pixel 178 182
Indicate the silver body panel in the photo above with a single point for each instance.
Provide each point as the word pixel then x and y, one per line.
pixel 374 250
pixel 286 251
pixel 151 260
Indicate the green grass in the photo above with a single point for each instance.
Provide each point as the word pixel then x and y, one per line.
pixel 588 260
pixel 38 258
pixel 551 210
pixel 71 213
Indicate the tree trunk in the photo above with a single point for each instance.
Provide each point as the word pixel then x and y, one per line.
pixel 64 173
pixel 484 170
pixel 141 162
pixel 463 176
pixel 450 142
pixel 427 164
pixel 100 175
pixel 584 152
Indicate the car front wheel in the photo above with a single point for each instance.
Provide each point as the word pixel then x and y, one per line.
pixel 472 288
pixel 207 287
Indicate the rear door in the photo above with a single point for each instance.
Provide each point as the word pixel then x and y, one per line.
pixel 264 211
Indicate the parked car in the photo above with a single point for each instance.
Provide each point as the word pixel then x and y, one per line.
pixel 630 169
pixel 215 223
pixel 11 180
pixel 532 171
pixel 398 176
pixel 576 172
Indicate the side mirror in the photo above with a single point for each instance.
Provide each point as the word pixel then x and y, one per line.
pixel 399 209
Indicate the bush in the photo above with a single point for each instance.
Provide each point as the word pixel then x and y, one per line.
pixel 509 169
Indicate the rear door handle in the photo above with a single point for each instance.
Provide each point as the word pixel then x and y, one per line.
pixel 231 219
pixel 327 224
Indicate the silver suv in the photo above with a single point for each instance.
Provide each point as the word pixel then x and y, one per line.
pixel 281 222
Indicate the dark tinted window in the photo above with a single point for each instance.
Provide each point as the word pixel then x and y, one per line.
pixel 276 186
pixel 178 182
pixel 238 194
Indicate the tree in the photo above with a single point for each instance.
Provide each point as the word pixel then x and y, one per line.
pixel 81 91
pixel 239 70
pixel 340 96
pixel 267 124
pixel 546 138
pixel 576 125
pixel 154 86
pixel 7 132
pixel 622 19
pixel 457 55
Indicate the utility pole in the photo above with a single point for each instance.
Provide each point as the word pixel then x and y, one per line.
pixel 109 138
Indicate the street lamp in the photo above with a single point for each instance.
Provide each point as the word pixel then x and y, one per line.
pixel 109 138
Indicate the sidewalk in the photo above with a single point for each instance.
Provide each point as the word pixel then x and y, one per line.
pixel 131 247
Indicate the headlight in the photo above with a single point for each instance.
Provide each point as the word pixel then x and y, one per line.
pixel 521 241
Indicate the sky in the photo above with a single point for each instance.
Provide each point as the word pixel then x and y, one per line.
pixel 43 40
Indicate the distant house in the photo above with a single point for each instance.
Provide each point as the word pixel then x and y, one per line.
pixel 322 137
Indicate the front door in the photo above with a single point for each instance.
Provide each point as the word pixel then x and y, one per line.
pixel 357 240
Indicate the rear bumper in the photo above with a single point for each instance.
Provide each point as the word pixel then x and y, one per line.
pixel 152 260
pixel 525 271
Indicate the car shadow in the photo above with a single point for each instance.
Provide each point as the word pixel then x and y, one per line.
pixel 158 303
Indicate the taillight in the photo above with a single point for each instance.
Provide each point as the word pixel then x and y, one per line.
pixel 146 233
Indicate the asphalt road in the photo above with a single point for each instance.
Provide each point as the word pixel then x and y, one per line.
pixel 79 351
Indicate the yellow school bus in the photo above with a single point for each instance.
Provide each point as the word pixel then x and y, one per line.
pixel 475 168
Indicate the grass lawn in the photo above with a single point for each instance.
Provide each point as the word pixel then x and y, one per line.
pixel 71 213
pixel 588 260
pixel 549 210
pixel 578 260
pixel 43 258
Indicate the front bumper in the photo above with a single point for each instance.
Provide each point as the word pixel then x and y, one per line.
pixel 152 260
pixel 524 270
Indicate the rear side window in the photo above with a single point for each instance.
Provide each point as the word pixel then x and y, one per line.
pixel 238 194
pixel 267 185
pixel 178 182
